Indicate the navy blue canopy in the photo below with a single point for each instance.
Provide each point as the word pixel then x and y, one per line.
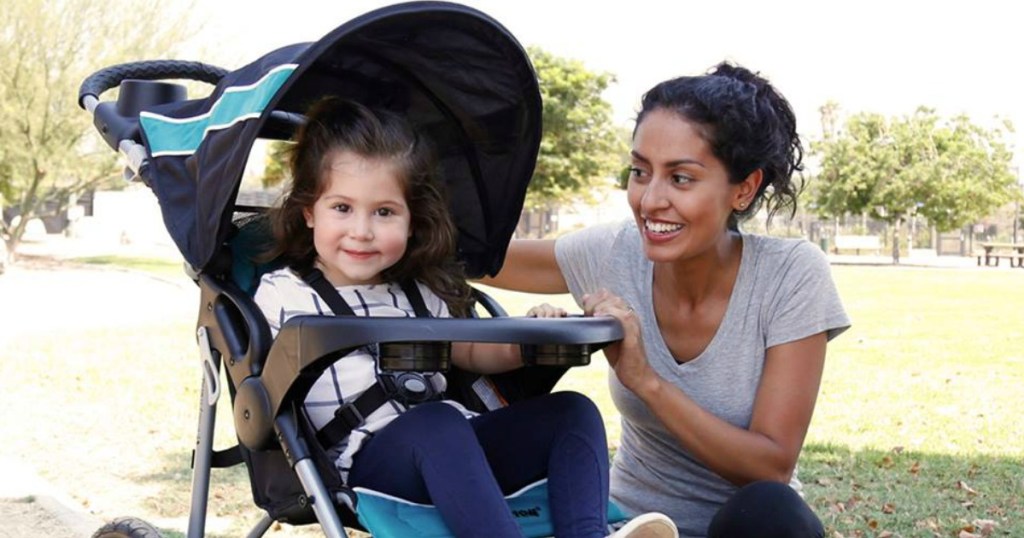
pixel 459 76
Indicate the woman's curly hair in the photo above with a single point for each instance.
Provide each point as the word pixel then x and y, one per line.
pixel 747 123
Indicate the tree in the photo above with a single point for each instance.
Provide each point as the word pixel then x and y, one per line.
pixel 581 148
pixel 276 172
pixel 951 172
pixel 49 151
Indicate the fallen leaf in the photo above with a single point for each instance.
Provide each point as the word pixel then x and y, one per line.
pixel 873 523
pixel 888 508
pixel 967 504
pixel 960 484
pixel 824 481
pixel 837 534
pixel 915 468
pixel 885 534
pixel 965 534
pixel 885 462
pixel 985 526
pixel 897 449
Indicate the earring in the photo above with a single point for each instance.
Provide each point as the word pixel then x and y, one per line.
pixel 743 205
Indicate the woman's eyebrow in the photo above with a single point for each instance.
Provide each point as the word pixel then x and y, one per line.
pixel 670 164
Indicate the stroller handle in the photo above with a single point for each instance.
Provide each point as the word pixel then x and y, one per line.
pixel 109 77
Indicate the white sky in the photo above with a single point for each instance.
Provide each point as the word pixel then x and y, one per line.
pixel 870 55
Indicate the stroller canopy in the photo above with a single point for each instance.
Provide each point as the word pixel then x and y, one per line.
pixel 458 76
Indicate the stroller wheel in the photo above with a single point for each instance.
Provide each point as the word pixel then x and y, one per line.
pixel 127 527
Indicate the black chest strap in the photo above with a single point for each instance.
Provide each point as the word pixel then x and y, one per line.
pixel 353 414
pixel 316 279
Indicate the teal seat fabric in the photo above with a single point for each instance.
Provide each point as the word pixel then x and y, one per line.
pixel 385 516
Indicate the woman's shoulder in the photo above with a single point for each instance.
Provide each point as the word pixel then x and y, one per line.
pixel 601 235
pixel 783 251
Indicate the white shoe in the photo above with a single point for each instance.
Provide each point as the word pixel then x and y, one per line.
pixel 649 525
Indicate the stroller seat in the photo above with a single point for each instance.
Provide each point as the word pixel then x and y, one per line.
pixel 461 79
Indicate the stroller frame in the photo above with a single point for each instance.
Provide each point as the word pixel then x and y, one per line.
pixel 462 80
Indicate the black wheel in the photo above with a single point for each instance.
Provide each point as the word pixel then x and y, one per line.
pixel 127 527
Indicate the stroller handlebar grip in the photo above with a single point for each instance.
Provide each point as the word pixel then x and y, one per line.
pixel 110 77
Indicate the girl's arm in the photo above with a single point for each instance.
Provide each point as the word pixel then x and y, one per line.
pixel 530 266
pixel 496 358
pixel 783 406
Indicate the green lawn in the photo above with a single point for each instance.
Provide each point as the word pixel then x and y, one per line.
pixel 917 430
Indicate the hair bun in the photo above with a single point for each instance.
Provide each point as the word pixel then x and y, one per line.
pixel 739 73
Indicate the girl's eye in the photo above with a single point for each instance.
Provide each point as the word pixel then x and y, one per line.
pixel 341 208
pixel 385 212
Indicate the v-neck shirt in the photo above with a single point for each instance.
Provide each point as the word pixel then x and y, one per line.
pixel 783 292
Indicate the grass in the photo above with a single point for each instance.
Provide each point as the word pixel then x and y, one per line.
pixel 916 432
pixel 155 266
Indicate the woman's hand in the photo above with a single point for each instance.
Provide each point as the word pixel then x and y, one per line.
pixel 627 357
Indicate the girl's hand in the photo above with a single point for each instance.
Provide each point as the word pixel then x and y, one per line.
pixel 546 311
pixel 627 356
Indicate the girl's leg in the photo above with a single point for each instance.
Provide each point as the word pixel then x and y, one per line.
pixel 560 436
pixel 430 455
pixel 765 510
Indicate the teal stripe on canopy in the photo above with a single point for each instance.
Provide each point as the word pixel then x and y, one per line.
pixel 182 136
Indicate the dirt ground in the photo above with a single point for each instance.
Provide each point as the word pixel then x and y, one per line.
pixel 42 293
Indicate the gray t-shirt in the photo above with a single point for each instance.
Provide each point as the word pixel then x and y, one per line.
pixel 783 292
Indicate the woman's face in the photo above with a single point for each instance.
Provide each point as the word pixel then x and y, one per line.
pixel 678 190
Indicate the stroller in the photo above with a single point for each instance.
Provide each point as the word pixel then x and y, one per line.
pixel 461 79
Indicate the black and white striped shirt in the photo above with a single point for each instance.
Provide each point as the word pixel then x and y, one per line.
pixel 283 295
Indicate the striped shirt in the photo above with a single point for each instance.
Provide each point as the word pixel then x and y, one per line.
pixel 283 295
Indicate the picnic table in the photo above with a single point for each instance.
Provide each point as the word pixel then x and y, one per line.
pixel 993 251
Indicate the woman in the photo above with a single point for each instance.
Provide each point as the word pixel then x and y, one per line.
pixel 725 332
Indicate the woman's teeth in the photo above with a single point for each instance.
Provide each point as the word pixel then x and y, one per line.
pixel 662 227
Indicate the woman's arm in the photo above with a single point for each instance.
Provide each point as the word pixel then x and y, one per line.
pixel 783 406
pixel 530 266
pixel 769 449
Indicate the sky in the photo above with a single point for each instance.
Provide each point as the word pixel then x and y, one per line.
pixel 868 56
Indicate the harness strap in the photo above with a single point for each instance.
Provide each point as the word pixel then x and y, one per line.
pixel 353 414
pixel 316 280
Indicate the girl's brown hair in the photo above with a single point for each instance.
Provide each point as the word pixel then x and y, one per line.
pixel 333 125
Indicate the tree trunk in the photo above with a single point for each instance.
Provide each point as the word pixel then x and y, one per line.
pixel 897 225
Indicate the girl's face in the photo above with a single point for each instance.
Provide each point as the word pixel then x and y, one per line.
pixel 361 220
pixel 678 190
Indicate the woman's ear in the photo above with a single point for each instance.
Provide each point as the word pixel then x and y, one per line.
pixel 309 217
pixel 745 191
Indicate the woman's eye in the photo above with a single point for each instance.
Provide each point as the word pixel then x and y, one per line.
pixel 680 179
pixel 341 208
pixel 385 212
pixel 636 172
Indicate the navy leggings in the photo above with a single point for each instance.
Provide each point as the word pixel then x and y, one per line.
pixel 431 454
pixel 765 510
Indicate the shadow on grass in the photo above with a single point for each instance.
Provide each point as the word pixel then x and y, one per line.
pixel 230 508
pixel 869 492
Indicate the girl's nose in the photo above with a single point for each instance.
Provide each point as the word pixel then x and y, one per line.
pixel 361 229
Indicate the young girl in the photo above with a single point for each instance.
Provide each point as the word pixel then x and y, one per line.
pixel 365 212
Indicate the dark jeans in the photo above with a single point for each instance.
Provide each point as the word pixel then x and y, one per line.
pixel 433 455
pixel 765 510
